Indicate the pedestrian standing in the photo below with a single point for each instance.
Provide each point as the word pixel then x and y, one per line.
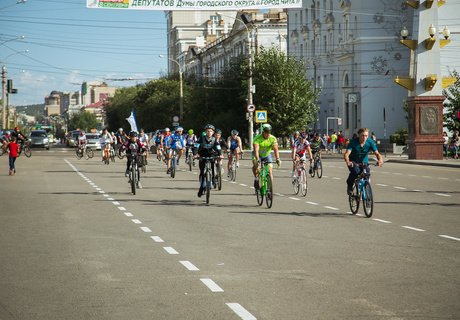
pixel 13 147
pixel 446 143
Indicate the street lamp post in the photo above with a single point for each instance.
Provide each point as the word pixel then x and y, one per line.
pixel 181 88
pixel 4 93
pixel 250 94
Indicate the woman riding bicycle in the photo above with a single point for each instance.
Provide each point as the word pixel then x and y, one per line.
pixel 356 156
pixel 263 144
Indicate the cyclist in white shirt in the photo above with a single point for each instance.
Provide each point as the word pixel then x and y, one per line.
pixel 106 143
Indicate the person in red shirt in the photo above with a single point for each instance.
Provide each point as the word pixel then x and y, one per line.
pixel 13 147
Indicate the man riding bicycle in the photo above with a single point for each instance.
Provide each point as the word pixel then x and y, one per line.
pixel 356 156
pixel 190 140
pixel 301 146
pixel 81 141
pixel 263 144
pixel 315 146
pixel 175 142
pixel 234 143
pixel 207 147
pixel 20 137
pixel 133 146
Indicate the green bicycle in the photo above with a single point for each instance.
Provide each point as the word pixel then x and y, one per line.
pixel 265 186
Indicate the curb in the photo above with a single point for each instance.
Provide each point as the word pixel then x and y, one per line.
pixel 425 163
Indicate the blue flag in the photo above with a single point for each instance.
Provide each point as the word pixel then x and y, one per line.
pixel 132 121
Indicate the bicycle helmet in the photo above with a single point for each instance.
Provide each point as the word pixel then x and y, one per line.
pixel 235 132
pixel 218 131
pixel 121 129
pixel 190 131
pixel 82 133
pixel 133 134
pixel 266 127
pixel 167 130
pixel 179 129
pixel 209 126
pixel 16 128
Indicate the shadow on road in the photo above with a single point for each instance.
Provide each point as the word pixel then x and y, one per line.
pixel 410 203
pixel 300 214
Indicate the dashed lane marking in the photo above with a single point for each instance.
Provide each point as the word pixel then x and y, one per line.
pixel 381 185
pixel 170 250
pixel 190 266
pixel 121 208
pixel 443 194
pixel 156 239
pixel 240 311
pixel 380 220
pixel 116 203
pixel 449 237
pixel 413 228
pixel 146 229
pixel 211 285
pixel 400 188
pixel 310 202
pixel 128 214
pixel 332 208
pixel 136 221
pixel 293 198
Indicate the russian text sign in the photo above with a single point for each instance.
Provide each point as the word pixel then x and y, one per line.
pixel 192 4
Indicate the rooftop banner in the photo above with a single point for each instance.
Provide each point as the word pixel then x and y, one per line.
pixel 207 5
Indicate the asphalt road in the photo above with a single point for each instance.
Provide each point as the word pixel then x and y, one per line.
pixel 76 244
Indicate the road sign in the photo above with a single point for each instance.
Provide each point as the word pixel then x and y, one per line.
pixel 261 116
pixel 175 118
pixel 251 108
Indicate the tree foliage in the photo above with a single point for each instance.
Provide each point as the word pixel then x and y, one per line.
pixel 83 120
pixel 452 105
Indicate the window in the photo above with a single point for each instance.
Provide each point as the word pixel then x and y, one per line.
pixel 347 27
pixel 313 13
pixel 325 44
pixel 331 5
pixel 301 18
pixel 347 115
pixel 306 16
pixel 214 20
pixel 301 50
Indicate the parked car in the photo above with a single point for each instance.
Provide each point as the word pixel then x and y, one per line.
pixel 39 138
pixel 93 141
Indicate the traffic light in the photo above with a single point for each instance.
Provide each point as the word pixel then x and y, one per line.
pixel 9 87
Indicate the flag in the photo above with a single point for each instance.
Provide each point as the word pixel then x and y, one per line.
pixel 132 121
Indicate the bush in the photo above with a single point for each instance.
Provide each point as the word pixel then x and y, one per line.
pixel 400 136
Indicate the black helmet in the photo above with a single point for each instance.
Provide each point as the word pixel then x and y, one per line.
pixel 218 131
pixel 235 132
pixel 209 126
pixel 133 134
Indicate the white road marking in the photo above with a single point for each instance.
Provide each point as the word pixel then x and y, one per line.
pixel 361 215
pixel 121 208
pixel 443 194
pixel 243 185
pixel 442 178
pixel 190 266
pixel 400 188
pixel 426 177
pixel 332 208
pixel 411 175
pixel 253 188
pixel 279 194
pixel 116 203
pixel 212 285
pixel 325 176
pixel 292 198
pixel 128 214
pixel 156 239
pixel 98 189
pixel 412 228
pixel 336 178
pixel 380 220
pixel 136 221
pixel 240 311
pixel 417 190
pixel 110 199
pixel 232 182
pixel 449 237
pixel 397 173
pixel 381 185
pixel 313 203
pixel 101 191
pixel 146 229
pixel 170 250
pixel 384 172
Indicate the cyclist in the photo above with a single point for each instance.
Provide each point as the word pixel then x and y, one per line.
pixel 315 146
pixel 207 147
pixel 190 140
pixel 81 142
pixel 292 141
pixel 133 145
pixel 145 141
pixel 223 145
pixel 175 142
pixel 20 137
pixel 234 142
pixel 263 144
pixel 300 148
pixel 106 144
pixel 356 156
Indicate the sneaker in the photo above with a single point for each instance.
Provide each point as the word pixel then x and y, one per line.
pixel 168 171
pixel 228 174
pixel 177 162
pixel 256 184
pixel 200 192
pixel 126 173
pixel 138 185
pixel 193 163
pixel 349 190
pixel 310 171
pixel 237 164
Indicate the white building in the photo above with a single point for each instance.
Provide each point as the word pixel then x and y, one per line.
pixel 353 52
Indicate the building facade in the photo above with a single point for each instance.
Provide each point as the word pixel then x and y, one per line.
pixel 353 54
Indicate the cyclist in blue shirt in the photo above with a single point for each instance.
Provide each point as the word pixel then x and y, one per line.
pixel 357 154
pixel 175 142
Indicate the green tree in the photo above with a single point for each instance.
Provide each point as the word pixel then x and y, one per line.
pixel 452 105
pixel 284 91
pixel 83 120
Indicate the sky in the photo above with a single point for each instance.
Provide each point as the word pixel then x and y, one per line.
pixel 68 44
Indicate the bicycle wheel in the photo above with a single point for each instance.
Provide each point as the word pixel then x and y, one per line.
pixel 368 200
pixel 173 166
pixel 303 182
pixel 89 153
pixel 120 154
pixel 27 151
pixel 319 169
pixel 269 193
pixel 259 194
pixel 295 182
pixel 208 185
pixel 312 171
pixel 233 176
pixel 79 153
pixel 189 160
pixel 144 165
pixel 219 178
pixel 354 199
pixel 133 177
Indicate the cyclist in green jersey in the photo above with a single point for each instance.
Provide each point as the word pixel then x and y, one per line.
pixel 263 144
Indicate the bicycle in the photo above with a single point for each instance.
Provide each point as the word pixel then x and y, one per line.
pixel 218 175
pixel 265 186
pixel 207 175
pixel 317 166
pixel 106 154
pixel 233 168
pixel 134 173
pixel 362 190
pixel 190 160
pixel 84 151
pixel 25 147
pixel 143 162
pixel 172 168
pixel 299 180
